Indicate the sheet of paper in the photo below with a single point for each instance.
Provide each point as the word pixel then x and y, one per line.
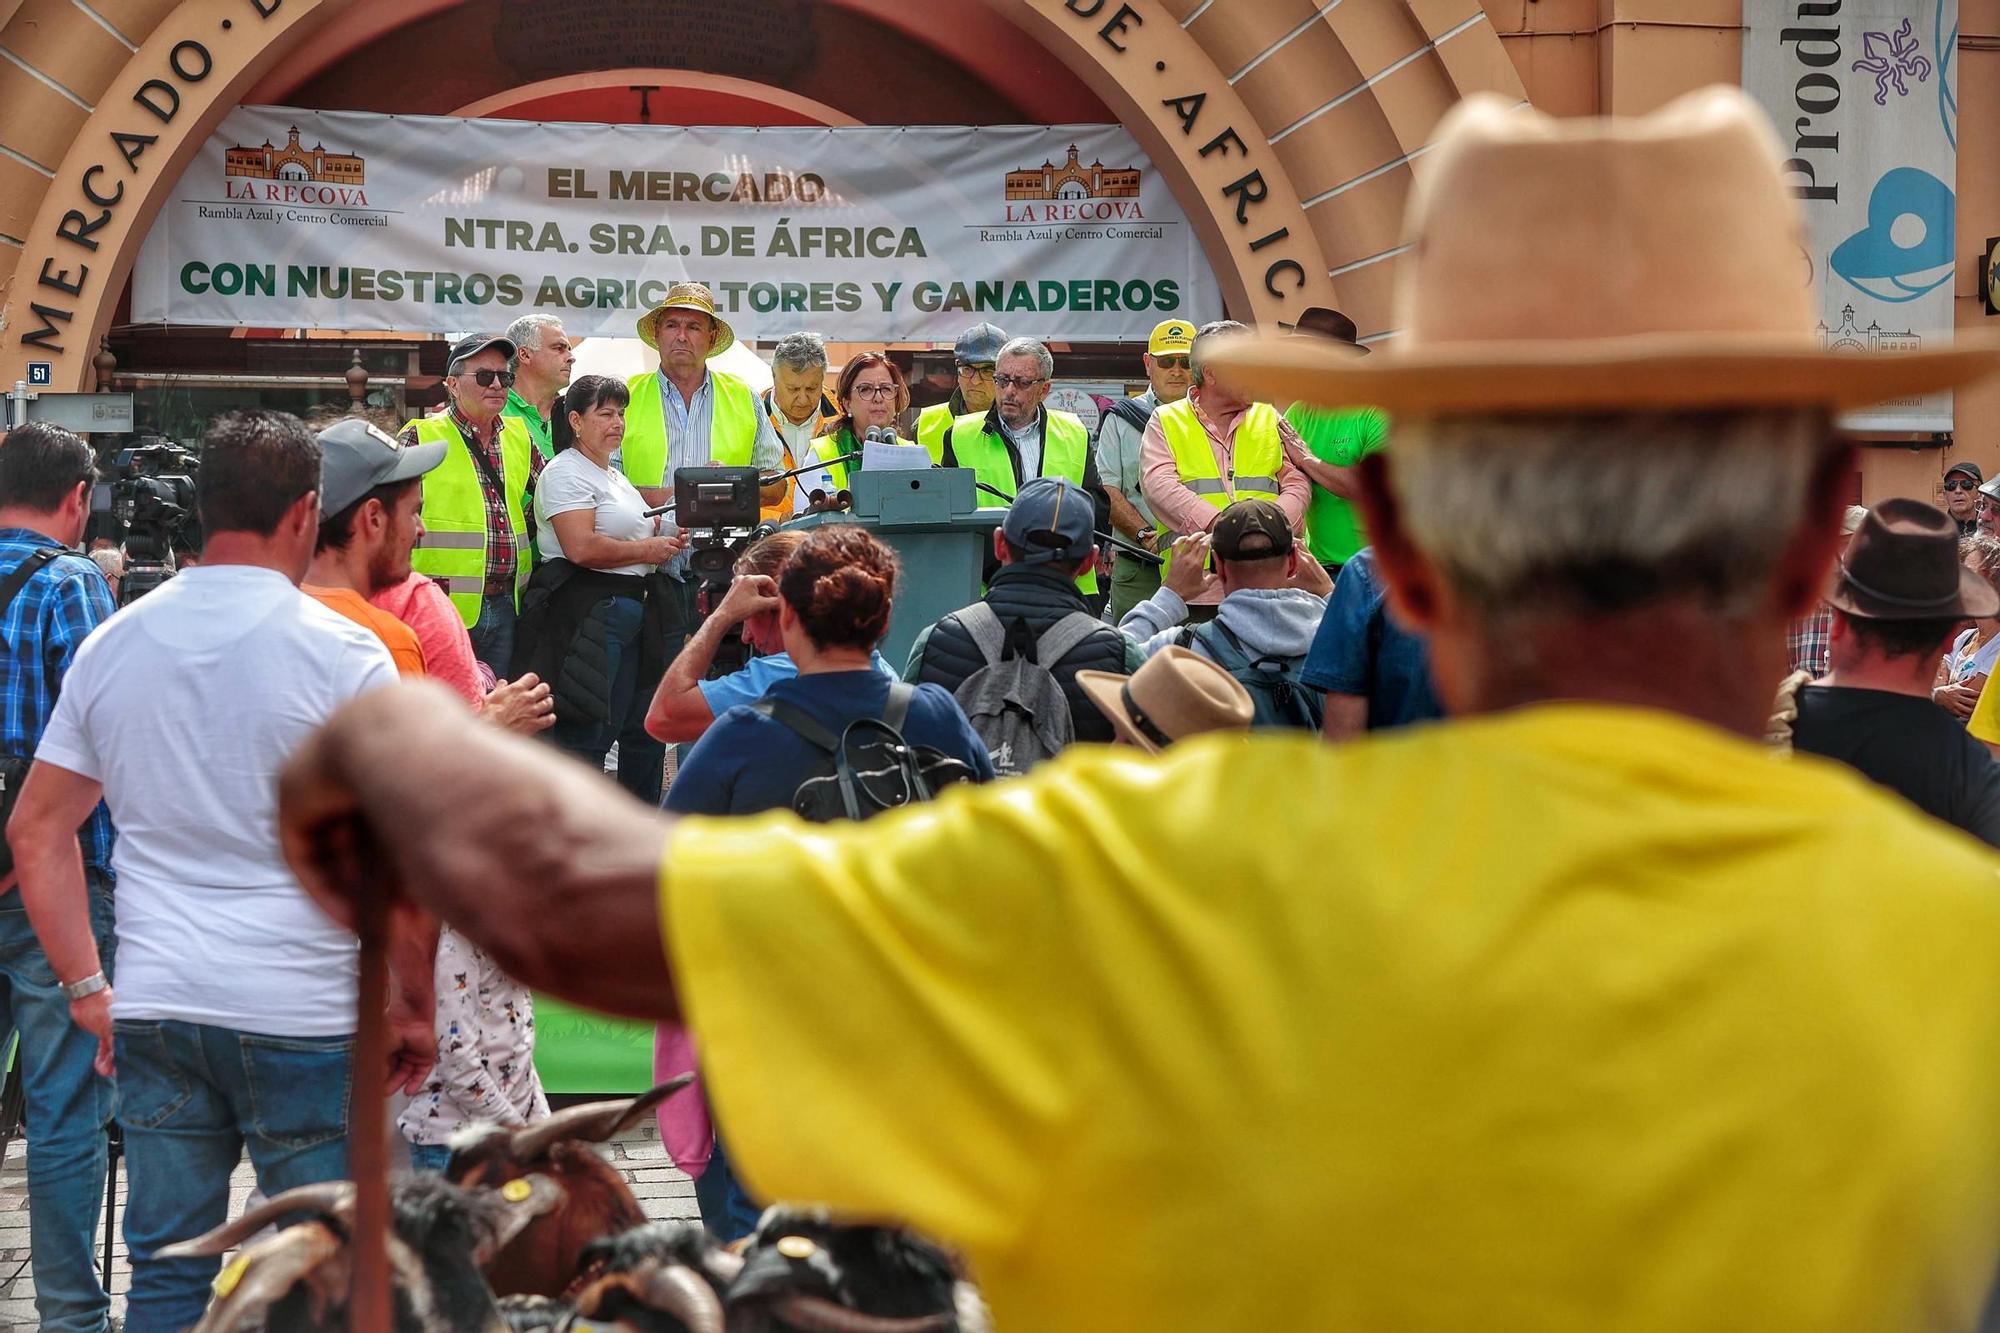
pixel 879 457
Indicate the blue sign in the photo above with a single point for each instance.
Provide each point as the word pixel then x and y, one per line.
pixel 41 372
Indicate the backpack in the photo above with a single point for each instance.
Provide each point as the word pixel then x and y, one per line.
pixel 1014 703
pixel 1280 697
pixel 869 767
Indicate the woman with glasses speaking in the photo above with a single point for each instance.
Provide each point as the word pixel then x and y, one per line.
pixel 872 394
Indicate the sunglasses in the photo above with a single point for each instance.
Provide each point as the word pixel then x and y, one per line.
pixel 1017 381
pixel 1961 484
pixel 1171 362
pixel 486 379
pixel 970 371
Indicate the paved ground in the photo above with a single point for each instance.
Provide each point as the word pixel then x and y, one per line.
pixel 664 1192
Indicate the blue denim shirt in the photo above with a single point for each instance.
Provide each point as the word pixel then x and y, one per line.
pixel 39 636
pixel 1360 649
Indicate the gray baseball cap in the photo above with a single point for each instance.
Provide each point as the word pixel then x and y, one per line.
pixel 356 457
pixel 979 345
pixel 1052 518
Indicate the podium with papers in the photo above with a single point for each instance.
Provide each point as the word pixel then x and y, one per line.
pixel 932 518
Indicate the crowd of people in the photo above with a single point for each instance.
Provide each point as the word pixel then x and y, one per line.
pixel 1576 1008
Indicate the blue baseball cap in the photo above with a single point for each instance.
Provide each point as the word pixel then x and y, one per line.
pixel 1051 519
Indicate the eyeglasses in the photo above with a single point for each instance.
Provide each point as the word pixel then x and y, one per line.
pixel 973 372
pixel 875 392
pixel 1961 484
pixel 1171 362
pixel 486 379
pixel 1016 381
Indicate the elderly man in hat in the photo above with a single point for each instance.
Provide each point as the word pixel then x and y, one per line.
pixel 1336 439
pixel 476 540
pixel 1961 487
pixel 1577 1011
pixel 974 355
pixel 1900 597
pixel 1120 435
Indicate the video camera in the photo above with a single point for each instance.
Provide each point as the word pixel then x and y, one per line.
pixel 717 507
pixel 150 498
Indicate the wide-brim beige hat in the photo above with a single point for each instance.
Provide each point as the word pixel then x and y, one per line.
pixel 688 296
pixel 1608 265
pixel 1175 694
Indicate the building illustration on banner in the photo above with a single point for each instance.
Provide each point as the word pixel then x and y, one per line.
pixel 1073 180
pixel 293 162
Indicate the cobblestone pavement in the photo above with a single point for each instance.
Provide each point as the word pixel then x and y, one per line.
pixel 663 1191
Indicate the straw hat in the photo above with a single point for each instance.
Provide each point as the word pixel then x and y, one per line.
pixel 688 296
pixel 1602 265
pixel 1174 695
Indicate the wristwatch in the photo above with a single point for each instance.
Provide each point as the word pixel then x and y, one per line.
pixel 88 986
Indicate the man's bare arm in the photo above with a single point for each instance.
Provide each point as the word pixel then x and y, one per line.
pixel 1346 716
pixel 1125 515
pixel 546 865
pixel 42 831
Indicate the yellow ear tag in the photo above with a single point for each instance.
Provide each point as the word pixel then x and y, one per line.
pixel 516 1191
pixel 797 1247
pixel 230 1276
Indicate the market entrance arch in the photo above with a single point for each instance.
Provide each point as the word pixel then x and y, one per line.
pixel 1289 130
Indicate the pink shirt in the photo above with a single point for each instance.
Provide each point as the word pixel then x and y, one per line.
pixel 1183 511
pixel 419 603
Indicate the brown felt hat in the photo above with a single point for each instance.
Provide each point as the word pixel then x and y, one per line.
pixel 1602 265
pixel 1175 694
pixel 1902 564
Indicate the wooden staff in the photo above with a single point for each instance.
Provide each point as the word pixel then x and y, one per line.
pixel 367 1151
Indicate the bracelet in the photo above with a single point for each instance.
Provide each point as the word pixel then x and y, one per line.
pixel 86 986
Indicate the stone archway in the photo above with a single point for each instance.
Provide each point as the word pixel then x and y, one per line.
pixel 1290 130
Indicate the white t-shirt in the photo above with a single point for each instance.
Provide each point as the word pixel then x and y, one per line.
pixel 571 482
pixel 185 705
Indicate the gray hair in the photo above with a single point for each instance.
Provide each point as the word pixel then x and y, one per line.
pixel 1208 331
pixel 1045 365
pixel 527 332
pixel 1601 514
pixel 799 352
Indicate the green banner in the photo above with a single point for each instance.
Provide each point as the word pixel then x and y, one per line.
pixel 581 1050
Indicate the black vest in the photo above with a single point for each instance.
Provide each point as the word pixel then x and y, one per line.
pixel 1029 599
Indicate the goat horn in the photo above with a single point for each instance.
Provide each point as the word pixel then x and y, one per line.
pixel 332 1198
pixel 592 1123
pixel 681 1292
pixel 724 1265
pixel 264 1273
pixel 816 1314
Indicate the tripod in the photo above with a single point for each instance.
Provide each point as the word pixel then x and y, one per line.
pixel 13 1115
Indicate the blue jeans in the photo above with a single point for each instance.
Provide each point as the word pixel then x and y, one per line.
pixel 727 1210
pixel 640 757
pixel 190 1097
pixel 68 1106
pixel 429 1156
pixel 493 635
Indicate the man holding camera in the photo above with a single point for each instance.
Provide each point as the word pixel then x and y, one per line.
pixel 58 598
pixel 475 508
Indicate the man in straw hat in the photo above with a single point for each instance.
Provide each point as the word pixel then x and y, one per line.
pixel 1579 1011
pixel 1900 596
pixel 1174 695
pixel 688 414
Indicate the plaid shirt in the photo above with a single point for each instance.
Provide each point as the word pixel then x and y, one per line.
pixel 48 619
pixel 503 544
pixel 1808 639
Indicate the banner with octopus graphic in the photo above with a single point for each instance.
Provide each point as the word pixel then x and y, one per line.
pixel 1864 97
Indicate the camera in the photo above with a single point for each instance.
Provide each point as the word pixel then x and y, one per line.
pixel 717 507
pixel 150 501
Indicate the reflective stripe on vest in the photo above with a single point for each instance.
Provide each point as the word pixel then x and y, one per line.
pixel 732 426
pixel 453 547
pixel 1065 452
pixel 1257 454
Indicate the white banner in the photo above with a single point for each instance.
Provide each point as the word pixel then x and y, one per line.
pixel 353 220
pixel 1864 97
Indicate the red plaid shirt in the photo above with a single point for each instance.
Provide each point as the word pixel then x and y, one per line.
pixel 503 544
pixel 1808 639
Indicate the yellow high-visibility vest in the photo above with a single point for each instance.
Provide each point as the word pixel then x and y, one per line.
pixel 932 423
pixel 1258 454
pixel 453 547
pixel 1065 452
pixel 732 426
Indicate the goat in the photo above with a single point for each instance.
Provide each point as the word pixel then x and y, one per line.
pixel 663 1277
pixel 805 1273
pixel 297 1281
pixel 544 1257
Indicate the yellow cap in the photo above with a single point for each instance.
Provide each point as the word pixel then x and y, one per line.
pixel 1171 337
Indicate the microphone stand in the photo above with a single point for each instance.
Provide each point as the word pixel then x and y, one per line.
pixel 1133 549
